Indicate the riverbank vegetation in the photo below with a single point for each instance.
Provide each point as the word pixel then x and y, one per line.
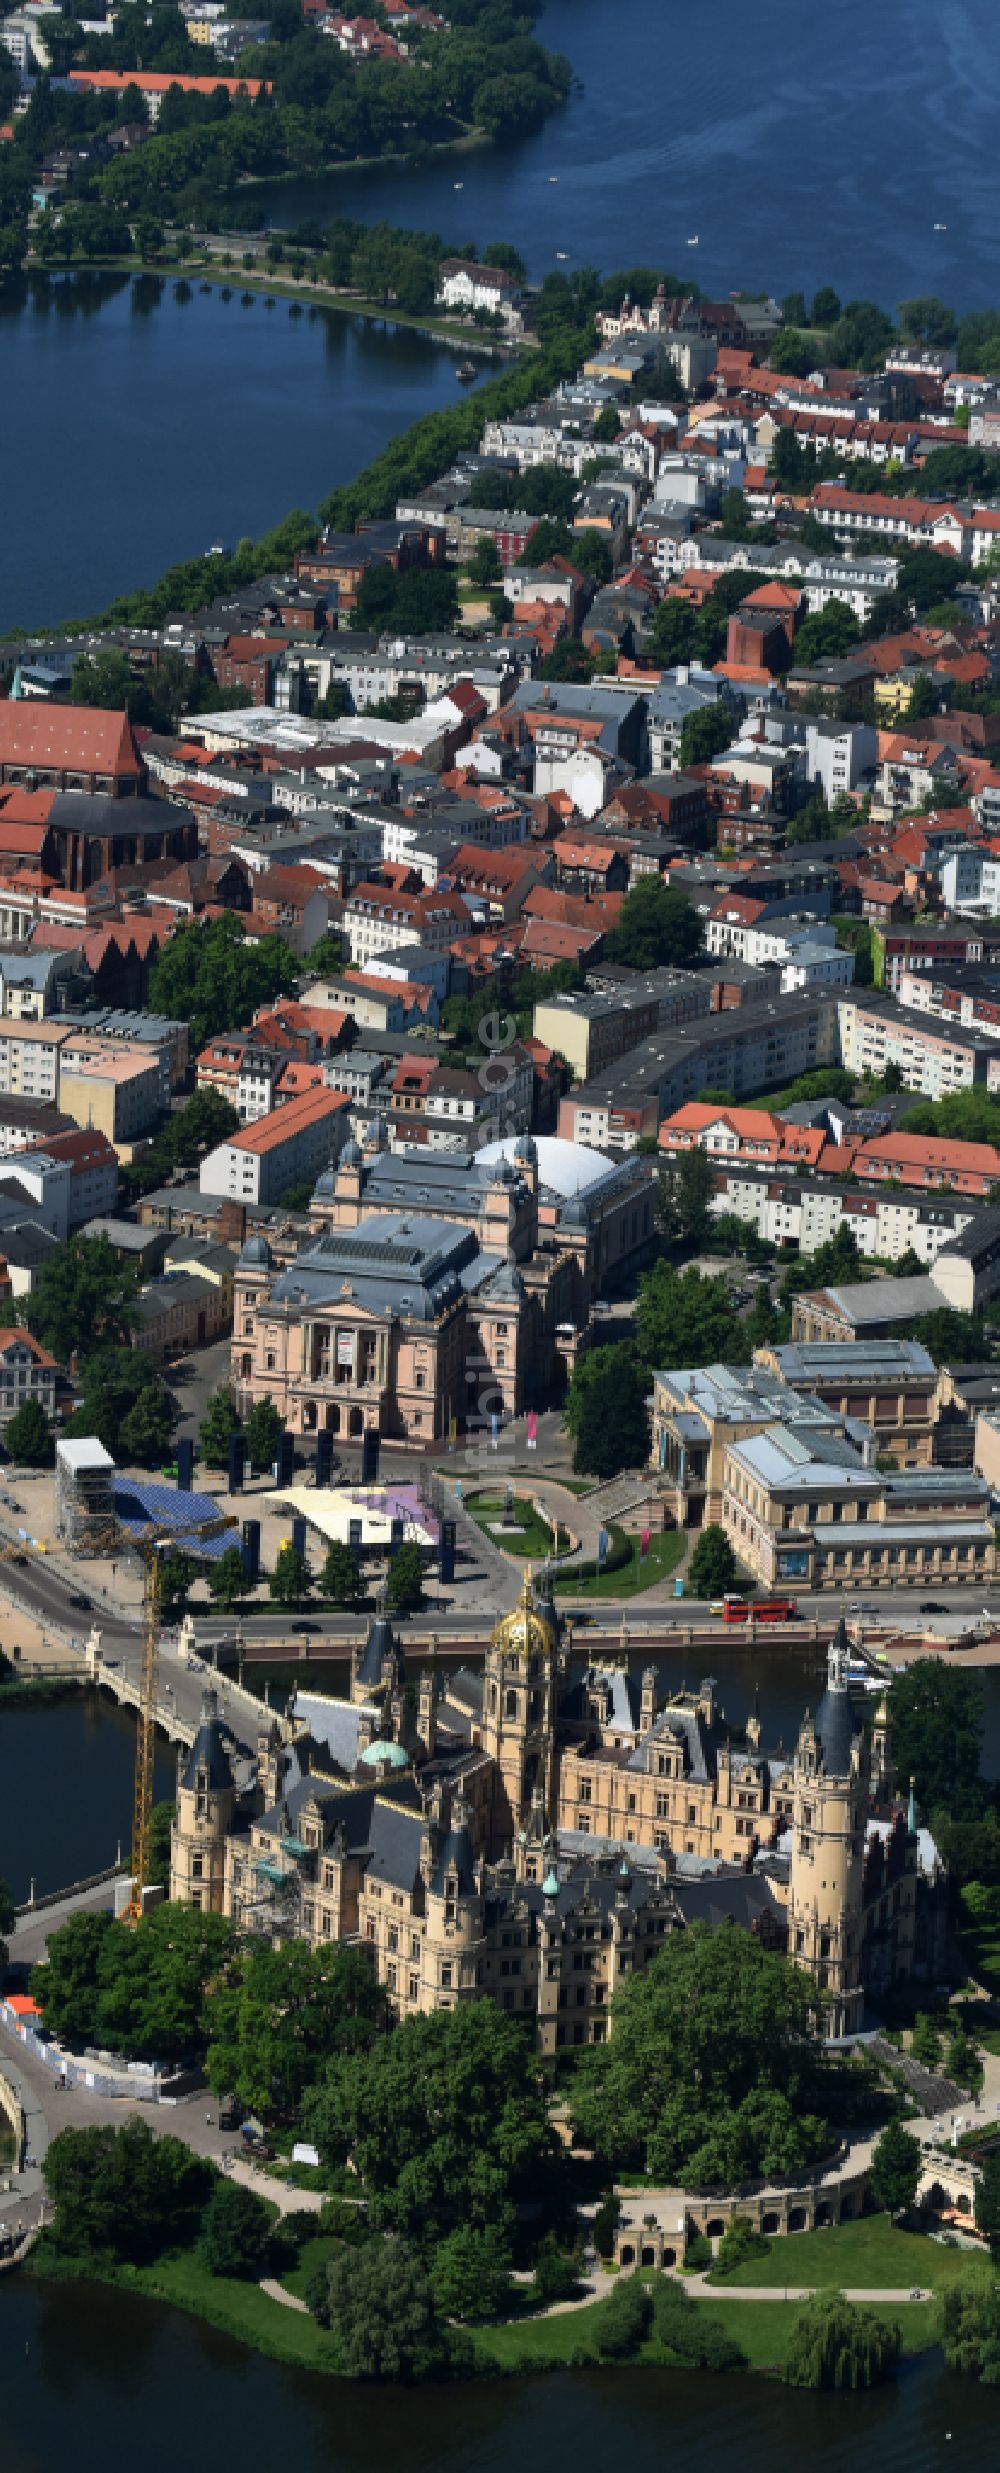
pixel 482 75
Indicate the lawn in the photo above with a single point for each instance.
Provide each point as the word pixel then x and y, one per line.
pixel 762 2329
pixel 315 2253
pixel 241 2310
pixel 631 1578
pixel 530 1534
pixel 869 2252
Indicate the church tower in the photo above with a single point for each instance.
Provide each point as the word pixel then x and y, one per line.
pixel 206 1801
pixel 519 1695
pixel 830 1807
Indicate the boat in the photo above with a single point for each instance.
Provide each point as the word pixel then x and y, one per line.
pixel 553 180
pixel 465 372
pixel 940 227
pixel 459 184
pixel 563 254
pixel 693 242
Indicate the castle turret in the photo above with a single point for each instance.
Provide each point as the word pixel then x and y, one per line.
pixel 830 1804
pixel 519 1714
pixel 206 1800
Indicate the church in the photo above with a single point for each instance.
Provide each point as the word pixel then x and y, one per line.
pixel 530 1834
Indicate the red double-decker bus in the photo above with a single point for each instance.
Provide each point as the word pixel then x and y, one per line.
pixel 763 1609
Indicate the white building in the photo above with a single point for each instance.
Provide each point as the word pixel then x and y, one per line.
pixel 465 286
pixel 839 754
pixel 285 1148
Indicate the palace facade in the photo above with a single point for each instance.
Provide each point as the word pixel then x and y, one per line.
pixel 532 1833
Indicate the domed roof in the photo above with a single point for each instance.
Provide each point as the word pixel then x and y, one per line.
pixel 507 1284
pixel 550 1885
pixel 524 1632
pixel 383 1754
pixel 256 1254
pixel 351 1155
pixel 525 1148
pixel 325 1184
pixel 377 1136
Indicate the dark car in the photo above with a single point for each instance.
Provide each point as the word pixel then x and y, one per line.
pixel 929 1605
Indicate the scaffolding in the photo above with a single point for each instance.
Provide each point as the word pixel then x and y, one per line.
pixel 84 1495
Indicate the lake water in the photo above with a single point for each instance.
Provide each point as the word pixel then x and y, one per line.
pixel 801 146
pixel 101 2381
pixel 66 1790
pixel 136 429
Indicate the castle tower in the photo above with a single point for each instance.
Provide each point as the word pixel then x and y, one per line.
pixel 206 1799
pixel 519 1694
pixel 453 1908
pixel 830 1806
pixel 883 1774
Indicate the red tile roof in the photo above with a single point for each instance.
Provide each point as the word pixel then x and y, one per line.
pixel 69 737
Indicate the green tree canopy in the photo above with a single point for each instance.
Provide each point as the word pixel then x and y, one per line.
pixel 684 1319
pixel 264 1430
pixel 235 2232
pixel 685 1188
pixel 836 2344
pixel 82 1297
pixel 381 2314
pixel 936 1725
pixel 209 976
pixel 405 1585
pixel 705 733
pixel 708 2074
pixel 123 2194
pixel 291 1580
pixel 28 1438
pixel 339 1578
pixel 895 2169
pixel 125 1404
pixel 712 1568
pixel 444 2119
pixel 968 2326
pixel 219 1423
pixel 276 2015
pixel 140 1992
pixel 470 2274
pixel 228 1579
pixel 655 925
pixel 606 1411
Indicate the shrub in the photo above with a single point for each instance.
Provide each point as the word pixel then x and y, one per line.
pixel 698 2252
pixel 622 2321
pixel 606 2223
pixel 235 2232
pixel 684 2330
pixel 556 2274
pixel 740 2242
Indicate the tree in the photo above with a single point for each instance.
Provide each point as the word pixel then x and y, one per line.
pixel 291 1579
pixel 28 1437
pixel 381 2314
pixel 235 2233
pixel 470 2274
pixel 141 1992
pixel 83 1297
pixel 445 2121
pixel 925 2041
pixel 228 1579
pixel 623 2320
pixel 176 1573
pixel 219 1423
pixel 826 635
pixel 405 1586
pixel 834 2344
pixel 936 1721
pixel 209 976
pixel 968 2326
pixel 705 733
pixel 988 2200
pixel 147 1427
pixel 161 1823
pixel 685 1319
pixel 276 2015
pixel 264 1431
pixel 655 925
pixel 895 2169
pixel 606 1411
pixel 327 955
pixel 712 1568
pixel 673 630
pixel 339 1579
pixel 685 1190
pixel 124 1404
pixel 826 306
pixel 121 2193
pixel 710 2066
pixel 952 1338
pixel 484 563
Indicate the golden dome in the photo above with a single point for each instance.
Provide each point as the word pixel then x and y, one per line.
pixel 524 1632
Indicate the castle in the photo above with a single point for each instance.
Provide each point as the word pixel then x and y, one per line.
pixel 531 1834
